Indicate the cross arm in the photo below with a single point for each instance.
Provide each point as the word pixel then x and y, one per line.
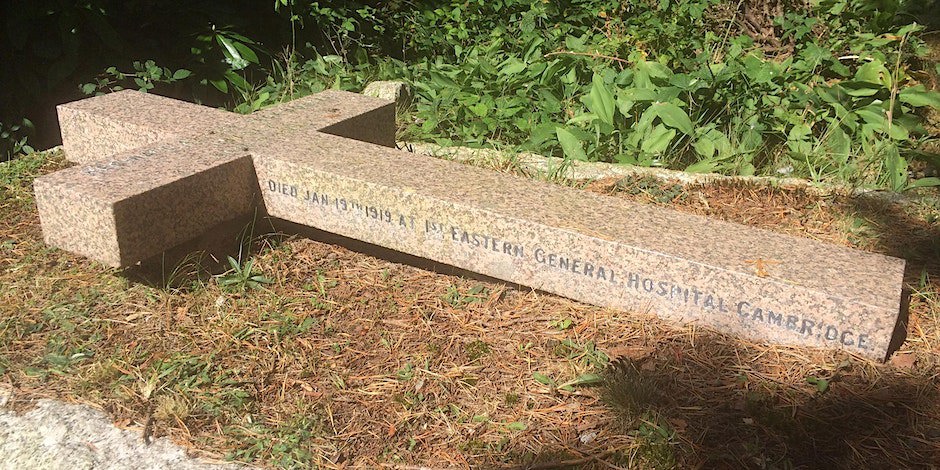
pixel 95 129
pixel 145 201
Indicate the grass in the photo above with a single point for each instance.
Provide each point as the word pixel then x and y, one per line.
pixel 345 359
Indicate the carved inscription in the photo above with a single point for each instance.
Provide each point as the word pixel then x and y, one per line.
pixel 632 282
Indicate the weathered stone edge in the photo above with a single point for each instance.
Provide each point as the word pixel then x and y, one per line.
pixel 577 170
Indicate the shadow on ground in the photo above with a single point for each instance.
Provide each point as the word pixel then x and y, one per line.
pixel 716 403
pixel 207 255
pixel 902 235
pixel 703 407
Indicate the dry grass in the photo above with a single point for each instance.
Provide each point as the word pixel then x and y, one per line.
pixel 348 360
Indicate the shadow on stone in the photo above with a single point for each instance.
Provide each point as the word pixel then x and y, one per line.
pixel 285 228
pixel 200 258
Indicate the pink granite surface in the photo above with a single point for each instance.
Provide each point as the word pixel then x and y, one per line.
pixel 602 250
pixel 158 172
pixel 315 161
pixel 99 128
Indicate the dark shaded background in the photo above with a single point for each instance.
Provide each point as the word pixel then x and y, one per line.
pixel 49 48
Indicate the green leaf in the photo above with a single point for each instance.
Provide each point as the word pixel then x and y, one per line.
pixel 896 167
pixel 673 116
pixel 232 55
pixel 584 380
pixel 645 123
pixel 624 106
pixel 872 115
pixel 542 378
pixel 705 147
pixel 586 117
pixel 918 96
pixel 703 166
pixel 246 52
pixel 858 89
pixel 516 426
pixel 821 384
pixel 512 67
pixel 799 132
pixel 574 43
pixel 874 72
pixel 570 144
pixel 550 72
pixel 655 69
pixel 442 81
pixel 237 80
pixel 480 109
pixel 601 100
pixel 658 140
pixel 262 279
pixel 220 85
pixel 181 74
pixel 638 94
pixel 898 132
pixel 925 182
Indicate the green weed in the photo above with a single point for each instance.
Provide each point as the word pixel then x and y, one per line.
pixel 286 445
pixel 458 299
pixel 657 443
pixel 610 81
pixel 239 277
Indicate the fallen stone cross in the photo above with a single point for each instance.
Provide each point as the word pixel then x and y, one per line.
pixel 154 173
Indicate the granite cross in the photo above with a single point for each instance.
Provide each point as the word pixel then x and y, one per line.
pixel 156 172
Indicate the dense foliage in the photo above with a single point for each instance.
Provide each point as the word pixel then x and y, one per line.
pixel 769 87
pixel 832 90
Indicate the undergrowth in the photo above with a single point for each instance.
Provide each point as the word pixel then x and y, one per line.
pixel 830 92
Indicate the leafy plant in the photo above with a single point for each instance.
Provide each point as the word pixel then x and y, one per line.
pixel 822 385
pixel 218 57
pixel 13 139
pixel 145 76
pixel 830 94
pixel 406 372
pixel 582 380
pixel 561 324
pixel 241 277
pixel 611 82
pixel 457 299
